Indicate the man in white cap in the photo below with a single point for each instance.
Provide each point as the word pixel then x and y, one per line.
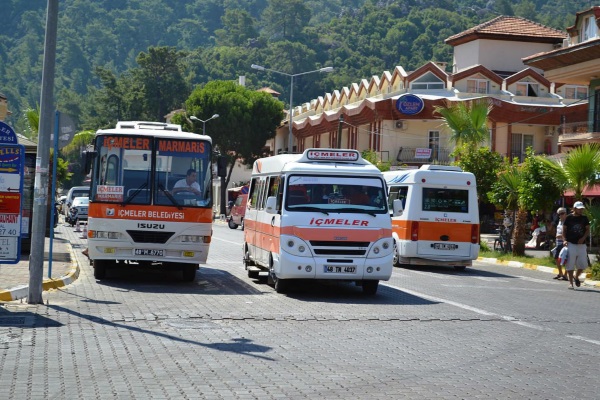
pixel 576 230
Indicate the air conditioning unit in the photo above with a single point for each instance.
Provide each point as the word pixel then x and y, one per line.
pixel 401 124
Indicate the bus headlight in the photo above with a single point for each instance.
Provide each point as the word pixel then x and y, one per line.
pixel 104 235
pixel 295 246
pixel 381 248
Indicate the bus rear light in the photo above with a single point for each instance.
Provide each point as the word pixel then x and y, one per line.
pixel 207 239
pixel 414 231
pixel 474 233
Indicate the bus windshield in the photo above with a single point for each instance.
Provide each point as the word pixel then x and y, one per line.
pixel 335 194
pixel 144 170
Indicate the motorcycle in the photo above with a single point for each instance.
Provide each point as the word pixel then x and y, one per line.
pixel 71 217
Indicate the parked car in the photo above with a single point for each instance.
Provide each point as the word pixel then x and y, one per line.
pixel 75 191
pixel 237 212
pixel 78 210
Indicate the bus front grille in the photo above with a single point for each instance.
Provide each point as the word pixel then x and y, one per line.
pixel 150 237
pixel 329 248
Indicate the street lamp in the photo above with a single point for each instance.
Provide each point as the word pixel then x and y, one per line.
pixel 291 113
pixel 194 118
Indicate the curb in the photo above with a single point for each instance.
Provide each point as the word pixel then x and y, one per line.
pixel 541 268
pixel 21 292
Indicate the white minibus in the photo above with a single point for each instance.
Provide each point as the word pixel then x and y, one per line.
pixel 435 216
pixel 321 214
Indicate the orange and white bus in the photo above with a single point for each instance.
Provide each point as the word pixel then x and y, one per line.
pixel 435 216
pixel 318 215
pixel 150 198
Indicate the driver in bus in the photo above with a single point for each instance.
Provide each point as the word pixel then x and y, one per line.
pixel 188 184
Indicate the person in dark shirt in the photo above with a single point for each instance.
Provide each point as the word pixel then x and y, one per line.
pixel 576 230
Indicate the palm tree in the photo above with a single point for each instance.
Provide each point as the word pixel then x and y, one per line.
pixel 579 170
pixel 468 122
pixel 511 179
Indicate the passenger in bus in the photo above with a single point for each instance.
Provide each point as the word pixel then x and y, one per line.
pixel 188 184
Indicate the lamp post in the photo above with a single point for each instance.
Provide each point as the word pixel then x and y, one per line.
pixel 194 118
pixel 291 113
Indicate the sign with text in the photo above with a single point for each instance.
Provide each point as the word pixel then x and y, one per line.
pixel 422 152
pixel 12 159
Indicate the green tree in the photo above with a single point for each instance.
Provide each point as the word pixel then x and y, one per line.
pixel 539 189
pixel 161 71
pixel 247 119
pixel 285 19
pixel 238 27
pixel 484 164
pixel 72 152
pixel 372 157
pixel 467 121
pixel 580 169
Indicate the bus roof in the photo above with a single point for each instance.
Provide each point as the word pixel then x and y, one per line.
pixel 155 129
pixel 314 160
pixel 431 174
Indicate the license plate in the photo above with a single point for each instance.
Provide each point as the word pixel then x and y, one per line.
pixel 188 254
pixel 339 269
pixel 149 252
pixel 445 246
pixel 84 210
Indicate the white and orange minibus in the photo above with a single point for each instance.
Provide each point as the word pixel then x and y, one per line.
pixel 150 198
pixel 318 215
pixel 435 216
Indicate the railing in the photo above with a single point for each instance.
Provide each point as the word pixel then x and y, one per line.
pixel 407 155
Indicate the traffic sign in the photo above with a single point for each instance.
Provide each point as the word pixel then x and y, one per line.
pixel 7 134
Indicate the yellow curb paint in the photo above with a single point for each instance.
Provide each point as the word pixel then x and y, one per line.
pixel 5 296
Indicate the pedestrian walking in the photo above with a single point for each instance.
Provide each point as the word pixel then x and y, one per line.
pixel 576 230
pixel 562 214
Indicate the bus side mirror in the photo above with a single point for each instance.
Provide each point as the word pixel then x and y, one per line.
pixel 221 166
pixel 271 205
pixel 88 158
pixel 398 209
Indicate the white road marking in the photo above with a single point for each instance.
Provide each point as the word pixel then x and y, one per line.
pixel 585 339
pixel 226 241
pixel 468 307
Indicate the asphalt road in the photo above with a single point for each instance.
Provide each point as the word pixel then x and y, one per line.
pixel 488 332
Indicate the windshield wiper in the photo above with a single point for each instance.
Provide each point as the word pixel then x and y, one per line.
pixel 170 196
pixel 357 210
pixel 309 208
pixel 137 191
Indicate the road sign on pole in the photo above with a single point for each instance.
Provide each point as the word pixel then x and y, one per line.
pixel 12 159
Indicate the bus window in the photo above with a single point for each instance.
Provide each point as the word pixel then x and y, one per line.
pixel 397 192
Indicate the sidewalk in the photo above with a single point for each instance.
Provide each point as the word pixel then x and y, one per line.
pixel 14 278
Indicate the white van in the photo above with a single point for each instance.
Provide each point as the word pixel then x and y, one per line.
pixel 318 215
pixel 75 191
pixel 435 216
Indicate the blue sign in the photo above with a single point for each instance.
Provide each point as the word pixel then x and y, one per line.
pixel 409 104
pixel 7 134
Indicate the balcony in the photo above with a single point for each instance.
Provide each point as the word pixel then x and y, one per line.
pixel 576 133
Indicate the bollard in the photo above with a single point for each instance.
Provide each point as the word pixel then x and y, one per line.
pixel 77 228
pixel 84 231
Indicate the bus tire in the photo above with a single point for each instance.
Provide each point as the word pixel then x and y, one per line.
pixel 189 272
pixel 370 287
pixel 253 274
pixel 100 268
pixel 396 259
pixel 232 225
pixel 242 224
pixel 282 285
pixel 246 260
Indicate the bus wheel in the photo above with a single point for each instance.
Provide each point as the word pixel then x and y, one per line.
pixel 242 225
pixel 189 272
pixel 460 267
pixel 232 225
pixel 253 274
pixel 370 287
pixel 396 259
pixel 246 260
pixel 281 285
pixel 100 268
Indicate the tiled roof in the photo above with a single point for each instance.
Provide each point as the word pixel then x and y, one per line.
pixel 508 27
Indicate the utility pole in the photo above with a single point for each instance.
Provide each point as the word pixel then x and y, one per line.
pixel 339 132
pixel 40 200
